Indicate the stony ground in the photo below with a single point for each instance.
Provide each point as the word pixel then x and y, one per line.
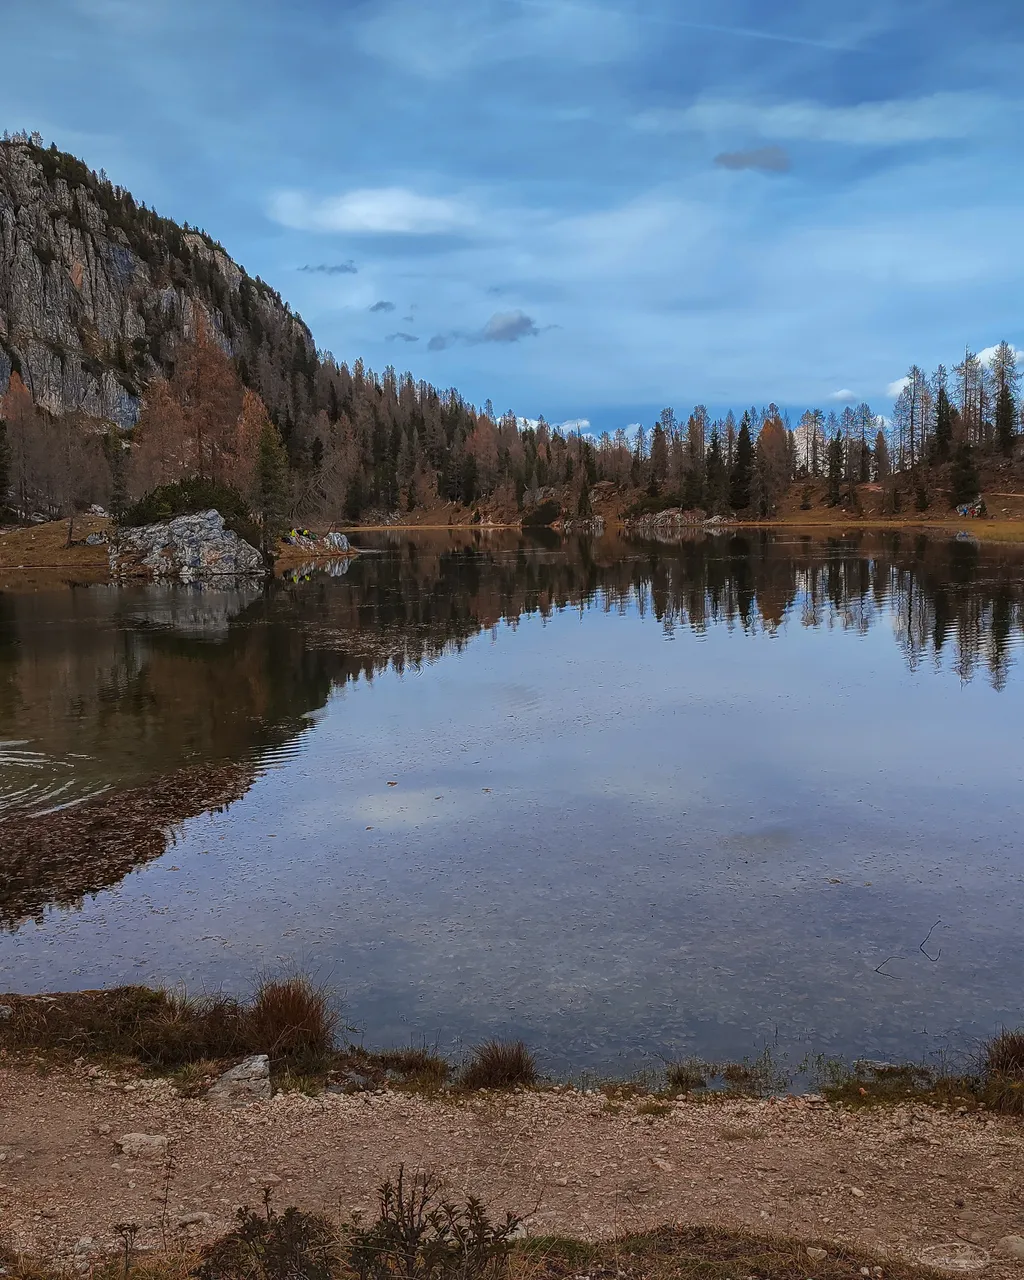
pixel 895 1179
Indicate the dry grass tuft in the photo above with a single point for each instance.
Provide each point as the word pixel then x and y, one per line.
pixel 292 1019
pixel 685 1076
pixel 1004 1054
pixel 419 1068
pixel 499 1064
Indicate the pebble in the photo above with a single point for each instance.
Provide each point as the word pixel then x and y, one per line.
pixel 818 1255
pixel 1012 1247
pixel 856 1191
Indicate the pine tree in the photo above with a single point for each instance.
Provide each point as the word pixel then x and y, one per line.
pixel 943 439
pixel 715 478
pixel 963 477
pixel 1006 420
pixel 742 469
pixel 271 484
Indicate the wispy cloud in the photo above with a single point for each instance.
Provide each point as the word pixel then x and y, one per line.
pixel 845 396
pixel 402 337
pixel 381 210
pixel 894 388
pixel 383 306
pixel 767 159
pixel 331 269
pixel 889 122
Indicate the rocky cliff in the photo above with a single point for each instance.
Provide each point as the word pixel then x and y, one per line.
pixel 97 290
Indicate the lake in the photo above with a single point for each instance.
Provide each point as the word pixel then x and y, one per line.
pixel 628 800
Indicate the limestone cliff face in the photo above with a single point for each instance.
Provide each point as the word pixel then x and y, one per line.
pixel 96 291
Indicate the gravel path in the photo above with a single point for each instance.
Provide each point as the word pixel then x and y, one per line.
pixel 893 1179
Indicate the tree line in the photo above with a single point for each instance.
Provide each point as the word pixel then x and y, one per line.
pixel 373 445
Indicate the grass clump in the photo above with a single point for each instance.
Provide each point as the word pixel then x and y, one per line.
pixel 1003 1073
pixel 415 1067
pixel 685 1076
pixel 499 1064
pixel 290 1019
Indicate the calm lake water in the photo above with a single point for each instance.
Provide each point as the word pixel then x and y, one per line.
pixel 649 800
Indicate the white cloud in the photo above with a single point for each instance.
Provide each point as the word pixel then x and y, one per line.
pixel 988 355
pixel 846 396
pixel 897 121
pixel 575 424
pixel 894 388
pixel 370 209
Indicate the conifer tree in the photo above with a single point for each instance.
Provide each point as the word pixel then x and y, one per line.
pixel 963 477
pixel 834 463
pixel 1006 420
pixel 943 440
pixel 271 484
pixel 742 468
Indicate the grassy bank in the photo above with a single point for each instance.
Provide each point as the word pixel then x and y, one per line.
pixel 294 1021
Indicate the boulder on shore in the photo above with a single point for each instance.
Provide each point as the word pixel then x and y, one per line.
pixel 191 548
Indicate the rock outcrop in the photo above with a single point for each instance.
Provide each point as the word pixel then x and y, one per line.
pixel 248 1082
pixel 190 548
pixel 96 291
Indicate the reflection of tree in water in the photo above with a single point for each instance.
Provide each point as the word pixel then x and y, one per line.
pixel 122 690
pixel 957 601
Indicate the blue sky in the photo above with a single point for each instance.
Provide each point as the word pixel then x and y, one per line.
pixel 582 208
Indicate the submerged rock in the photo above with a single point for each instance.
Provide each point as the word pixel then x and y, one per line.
pixel 248 1082
pixel 188 547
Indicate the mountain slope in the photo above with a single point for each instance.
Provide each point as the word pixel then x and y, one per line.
pixel 97 290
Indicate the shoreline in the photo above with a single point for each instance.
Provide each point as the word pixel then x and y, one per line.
pixel 567 1161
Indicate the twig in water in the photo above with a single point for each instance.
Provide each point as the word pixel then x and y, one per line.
pixel 880 969
pixel 926 937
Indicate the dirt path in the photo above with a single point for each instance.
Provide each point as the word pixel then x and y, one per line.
pixel 894 1179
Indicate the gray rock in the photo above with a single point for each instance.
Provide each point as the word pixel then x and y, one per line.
pixel 143 1146
pixel 336 542
pixel 1012 1247
pixel 248 1082
pixel 195 1220
pixel 817 1255
pixel 6 1012
pixel 95 539
pixel 190 548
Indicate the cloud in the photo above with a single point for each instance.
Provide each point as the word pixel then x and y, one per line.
pixel 508 326
pixel 846 396
pixel 936 117
pixel 372 210
pixel 767 159
pixel 503 326
pixel 403 337
pixel 988 355
pixel 574 424
pixel 894 388
pixel 332 269
pixel 383 306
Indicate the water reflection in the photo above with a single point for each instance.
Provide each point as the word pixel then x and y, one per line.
pixel 679 764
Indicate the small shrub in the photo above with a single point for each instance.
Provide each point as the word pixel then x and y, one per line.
pixel 292 1019
pixel 499 1064
pixel 415 1066
pixel 683 1077
pixel 419 1236
pixel 270 1246
pixel 542 515
pixel 189 497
